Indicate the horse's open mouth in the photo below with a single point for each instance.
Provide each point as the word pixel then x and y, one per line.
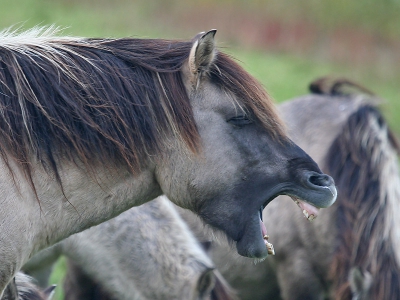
pixel 309 211
pixel 265 235
pixel 310 195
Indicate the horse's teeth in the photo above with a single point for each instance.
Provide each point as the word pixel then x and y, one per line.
pixel 311 218
pixel 269 246
pixel 271 250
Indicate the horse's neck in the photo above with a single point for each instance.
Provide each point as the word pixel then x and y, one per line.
pixel 50 213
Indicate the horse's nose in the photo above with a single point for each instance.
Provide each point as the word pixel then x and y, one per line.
pixel 320 180
pixel 322 185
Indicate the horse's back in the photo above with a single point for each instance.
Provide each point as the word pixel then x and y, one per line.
pixel 315 120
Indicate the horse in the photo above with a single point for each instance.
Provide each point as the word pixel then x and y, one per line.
pixel 350 250
pixel 361 154
pixel 23 288
pixel 90 127
pixel 145 253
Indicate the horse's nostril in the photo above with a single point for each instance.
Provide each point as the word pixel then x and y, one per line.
pixel 320 180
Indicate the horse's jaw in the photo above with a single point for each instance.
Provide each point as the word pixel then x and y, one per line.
pixel 309 211
pixel 309 194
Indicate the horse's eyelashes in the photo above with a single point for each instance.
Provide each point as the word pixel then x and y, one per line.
pixel 240 121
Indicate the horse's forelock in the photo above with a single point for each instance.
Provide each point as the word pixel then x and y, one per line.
pixel 363 162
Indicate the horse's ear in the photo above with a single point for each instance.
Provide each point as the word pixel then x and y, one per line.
pixel 202 54
pixel 49 291
pixel 206 282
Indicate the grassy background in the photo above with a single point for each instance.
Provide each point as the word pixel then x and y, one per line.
pixel 271 38
pixel 286 44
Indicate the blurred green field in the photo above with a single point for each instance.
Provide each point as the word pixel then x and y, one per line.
pixel 285 75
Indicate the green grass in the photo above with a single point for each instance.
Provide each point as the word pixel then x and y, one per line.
pixel 284 76
pixel 57 277
pixel 381 17
pixel 94 18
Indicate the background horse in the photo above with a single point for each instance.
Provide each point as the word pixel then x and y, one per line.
pixel 350 250
pixel 92 127
pixel 145 253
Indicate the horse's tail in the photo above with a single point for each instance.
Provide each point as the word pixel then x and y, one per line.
pixel 222 290
pixel 363 160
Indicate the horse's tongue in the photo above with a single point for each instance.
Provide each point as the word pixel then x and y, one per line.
pixel 263 229
pixel 309 211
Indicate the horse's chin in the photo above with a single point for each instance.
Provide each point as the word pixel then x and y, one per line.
pixel 252 243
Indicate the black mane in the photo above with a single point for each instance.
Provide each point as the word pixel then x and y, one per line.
pixel 110 101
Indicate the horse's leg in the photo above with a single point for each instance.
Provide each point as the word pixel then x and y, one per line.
pixel 297 278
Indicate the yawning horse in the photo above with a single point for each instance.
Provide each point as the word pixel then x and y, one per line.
pixel 91 127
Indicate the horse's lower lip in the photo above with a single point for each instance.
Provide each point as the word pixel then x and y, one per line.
pixel 251 243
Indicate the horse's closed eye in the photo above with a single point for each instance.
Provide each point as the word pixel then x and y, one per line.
pixel 240 121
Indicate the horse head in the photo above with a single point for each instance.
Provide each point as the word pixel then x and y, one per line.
pixel 245 158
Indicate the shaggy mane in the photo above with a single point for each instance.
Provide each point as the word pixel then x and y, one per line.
pixel 108 101
pixel 363 160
